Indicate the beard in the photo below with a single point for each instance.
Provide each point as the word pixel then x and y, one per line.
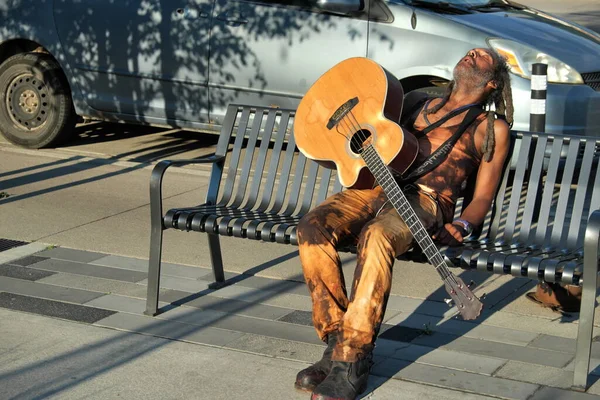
pixel 471 75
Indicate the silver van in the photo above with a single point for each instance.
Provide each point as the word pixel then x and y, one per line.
pixel 181 62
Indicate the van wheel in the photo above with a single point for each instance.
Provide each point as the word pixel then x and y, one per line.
pixel 36 108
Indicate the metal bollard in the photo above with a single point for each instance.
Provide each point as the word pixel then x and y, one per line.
pixel 539 84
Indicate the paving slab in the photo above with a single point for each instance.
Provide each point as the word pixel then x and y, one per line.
pixel 538 374
pixel 105 286
pixel 272 298
pixel 169 329
pixel 28 274
pixel 469 382
pixel 65 253
pixel 464 328
pixel 51 308
pixel 399 333
pixel 29 260
pixel 141 265
pixel 426 307
pixel 280 348
pixel 51 292
pixel 547 393
pixel 387 389
pixel 566 345
pixel 21 251
pixel 73 267
pixel 495 349
pixel 477 364
pixel 531 323
pixel 233 306
pixel 281 330
pixel 266 284
pixel 121 304
pixel 192 316
pixel 183 284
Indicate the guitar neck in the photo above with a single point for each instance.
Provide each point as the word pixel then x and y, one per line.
pixel 394 194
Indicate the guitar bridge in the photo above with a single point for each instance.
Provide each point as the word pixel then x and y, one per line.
pixel 341 112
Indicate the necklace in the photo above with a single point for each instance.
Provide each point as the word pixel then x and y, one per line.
pixel 448 114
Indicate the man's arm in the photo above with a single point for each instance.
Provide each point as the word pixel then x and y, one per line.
pixel 488 178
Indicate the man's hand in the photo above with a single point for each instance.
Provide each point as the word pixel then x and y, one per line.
pixel 451 235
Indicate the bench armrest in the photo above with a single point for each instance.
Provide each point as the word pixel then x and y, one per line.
pixel 591 244
pixel 156 179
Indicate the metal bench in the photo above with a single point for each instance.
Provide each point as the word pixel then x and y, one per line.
pixel 544 224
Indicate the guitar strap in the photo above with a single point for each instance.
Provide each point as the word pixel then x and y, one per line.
pixel 440 154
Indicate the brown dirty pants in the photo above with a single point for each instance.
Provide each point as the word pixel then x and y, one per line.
pixel 366 218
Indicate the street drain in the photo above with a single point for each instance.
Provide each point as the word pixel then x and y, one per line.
pixel 6 244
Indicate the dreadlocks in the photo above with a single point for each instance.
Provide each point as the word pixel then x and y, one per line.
pixel 501 98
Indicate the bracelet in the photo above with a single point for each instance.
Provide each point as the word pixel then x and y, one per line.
pixel 466 225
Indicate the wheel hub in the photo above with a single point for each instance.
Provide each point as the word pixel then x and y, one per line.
pixel 27 101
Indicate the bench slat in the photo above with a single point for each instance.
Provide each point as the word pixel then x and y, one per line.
pixel 516 190
pixel 309 189
pixel 244 173
pixel 496 212
pixel 533 192
pixel 290 154
pixel 582 192
pixel 265 138
pixel 560 218
pixel 548 193
pixel 234 159
pixel 278 142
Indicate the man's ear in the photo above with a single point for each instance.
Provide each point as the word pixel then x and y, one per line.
pixel 492 84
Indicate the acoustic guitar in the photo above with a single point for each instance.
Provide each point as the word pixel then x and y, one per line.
pixel 347 121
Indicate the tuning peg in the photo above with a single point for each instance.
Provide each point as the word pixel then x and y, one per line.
pixel 471 285
pixel 450 302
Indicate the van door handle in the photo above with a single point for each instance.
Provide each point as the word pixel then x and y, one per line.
pixel 233 19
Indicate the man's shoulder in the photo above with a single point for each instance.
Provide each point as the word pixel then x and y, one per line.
pixel 411 101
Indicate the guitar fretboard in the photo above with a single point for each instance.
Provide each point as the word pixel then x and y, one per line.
pixel 394 194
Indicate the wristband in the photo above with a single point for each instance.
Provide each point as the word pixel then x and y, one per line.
pixel 466 225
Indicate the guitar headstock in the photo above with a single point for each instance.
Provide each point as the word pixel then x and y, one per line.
pixel 466 302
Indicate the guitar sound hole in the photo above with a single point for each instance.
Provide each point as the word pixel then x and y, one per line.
pixel 359 140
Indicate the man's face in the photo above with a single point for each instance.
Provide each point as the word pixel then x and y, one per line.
pixel 476 68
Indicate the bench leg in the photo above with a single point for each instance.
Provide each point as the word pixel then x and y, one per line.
pixel 588 303
pixel 156 237
pixel 214 245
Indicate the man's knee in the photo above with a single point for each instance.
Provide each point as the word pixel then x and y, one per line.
pixel 381 237
pixel 312 229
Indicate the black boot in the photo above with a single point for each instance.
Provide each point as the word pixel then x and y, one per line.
pixel 345 381
pixel 310 377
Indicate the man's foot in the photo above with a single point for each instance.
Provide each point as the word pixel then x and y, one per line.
pixel 310 377
pixel 345 381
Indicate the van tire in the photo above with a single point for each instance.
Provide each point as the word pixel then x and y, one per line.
pixel 36 108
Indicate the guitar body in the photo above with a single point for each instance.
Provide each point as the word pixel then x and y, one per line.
pixel 354 102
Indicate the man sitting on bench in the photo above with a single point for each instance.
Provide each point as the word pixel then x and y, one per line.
pixel 363 215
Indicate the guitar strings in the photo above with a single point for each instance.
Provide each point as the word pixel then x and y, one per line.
pixel 353 125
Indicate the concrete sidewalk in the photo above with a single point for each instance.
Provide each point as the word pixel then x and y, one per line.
pixel 72 327
pixel 72 323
